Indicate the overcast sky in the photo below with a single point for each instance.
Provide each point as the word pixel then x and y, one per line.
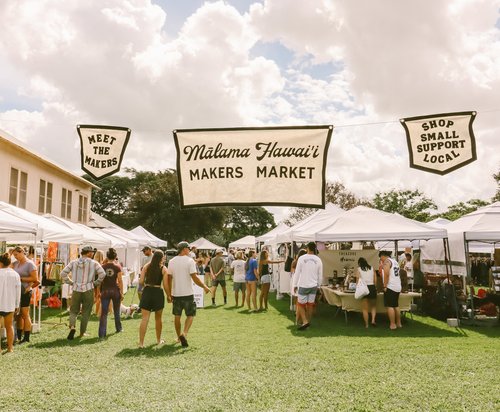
pixel 156 66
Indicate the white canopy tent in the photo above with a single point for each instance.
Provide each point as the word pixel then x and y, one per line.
pixel 204 244
pixel 246 242
pixel 10 224
pixel 304 231
pixel 270 237
pixel 365 224
pixel 154 240
pixel 475 231
pixel 47 230
pixel 88 234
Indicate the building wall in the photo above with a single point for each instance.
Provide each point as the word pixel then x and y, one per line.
pixel 12 156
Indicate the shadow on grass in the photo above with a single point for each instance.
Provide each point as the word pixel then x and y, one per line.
pixel 327 322
pixel 152 351
pixel 64 342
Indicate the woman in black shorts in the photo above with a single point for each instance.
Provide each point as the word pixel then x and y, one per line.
pixel 366 272
pixel 153 276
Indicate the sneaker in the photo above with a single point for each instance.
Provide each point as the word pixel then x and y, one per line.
pixel 184 341
pixel 304 326
pixel 214 304
pixel 71 334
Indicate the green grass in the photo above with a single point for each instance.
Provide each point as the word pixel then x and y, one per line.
pixel 257 362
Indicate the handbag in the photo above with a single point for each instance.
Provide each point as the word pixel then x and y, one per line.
pixel 361 289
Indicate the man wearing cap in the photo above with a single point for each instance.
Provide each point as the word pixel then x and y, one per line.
pixel 307 280
pixel 182 273
pixel 218 275
pixel 392 288
pixel 148 255
pixel 83 271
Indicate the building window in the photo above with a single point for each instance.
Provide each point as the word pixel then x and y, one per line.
pixel 66 202
pixel 82 209
pixel 18 188
pixel 45 197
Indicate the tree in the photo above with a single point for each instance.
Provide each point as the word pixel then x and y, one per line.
pixel 460 209
pixel 412 204
pixel 336 193
pixel 242 221
pixel 497 195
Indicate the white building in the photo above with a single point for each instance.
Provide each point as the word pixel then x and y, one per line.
pixel 30 181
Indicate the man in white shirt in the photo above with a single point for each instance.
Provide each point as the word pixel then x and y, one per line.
pixel 307 278
pixel 182 273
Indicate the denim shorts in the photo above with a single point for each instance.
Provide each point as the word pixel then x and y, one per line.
pixel 265 279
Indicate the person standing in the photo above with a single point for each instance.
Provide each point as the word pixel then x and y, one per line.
pixel 251 278
pixel 193 254
pixel 238 272
pixel 308 277
pixel 110 290
pixel 10 297
pixel 392 288
pixel 99 258
pixel 218 275
pixel 146 258
pixel 83 271
pixel 153 276
pixel 369 302
pixel 28 274
pixel 265 278
pixel 182 273
pixel 408 267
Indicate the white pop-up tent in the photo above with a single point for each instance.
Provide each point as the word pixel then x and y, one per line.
pixel 246 242
pixel 204 244
pixel 88 234
pixel 10 224
pixel 154 240
pixel 474 230
pixel 270 237
pixel 365 224
pixel 305 230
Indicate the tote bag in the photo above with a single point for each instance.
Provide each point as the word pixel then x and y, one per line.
pixel 361 289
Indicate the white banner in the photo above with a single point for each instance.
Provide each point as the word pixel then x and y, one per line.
pixel 199 293
pixel 102 149
pixel 440 143
pixel 281 166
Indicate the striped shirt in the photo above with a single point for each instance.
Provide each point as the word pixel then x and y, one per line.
pixel 83 271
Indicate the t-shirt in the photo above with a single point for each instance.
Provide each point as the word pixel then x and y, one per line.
pixel 110 281
pixel 24 270
pixel 250 274
pixel 366 275
pixel 181 268
pixel 217 264
pixel 146 259
pixel 309 271
pixel 10 290
pixel 239 270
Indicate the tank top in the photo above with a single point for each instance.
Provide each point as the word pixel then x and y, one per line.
pixel 366 275
pixel 394 283
pixel 265 269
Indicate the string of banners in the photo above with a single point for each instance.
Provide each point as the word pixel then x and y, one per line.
pixel 274 166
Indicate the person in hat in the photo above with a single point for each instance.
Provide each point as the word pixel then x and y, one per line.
pixel 83 271
pixel 218 275
pixel 145 259
pixel 307 278
pixel 182 273
pixel 392 288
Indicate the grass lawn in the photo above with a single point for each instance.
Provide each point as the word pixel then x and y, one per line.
pixel 257 362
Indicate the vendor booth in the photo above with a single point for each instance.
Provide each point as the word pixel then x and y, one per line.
pixel 247 242
pixel 204 244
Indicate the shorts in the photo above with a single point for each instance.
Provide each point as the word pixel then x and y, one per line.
pixel 373 292
pixel 239 286
pixel 25 299
pixel 306 295
pixel 185 303
pixel 391 299
pixel 265 279
pixel 4 314
pixel 152 299
pixel 219 282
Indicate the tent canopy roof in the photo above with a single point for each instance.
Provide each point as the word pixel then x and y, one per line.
pixel 272 233
pixel 480 225
pixel 204 244
pixel 155 241
pixel 244 242
pixel 363 224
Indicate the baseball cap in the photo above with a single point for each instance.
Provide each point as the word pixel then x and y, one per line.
pixel 219 251
pixel 87 249
pixel 182 245
pixel 145 248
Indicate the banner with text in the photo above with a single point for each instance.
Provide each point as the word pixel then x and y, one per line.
pixel 102 149
pixel 440 143
pixel 280 166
